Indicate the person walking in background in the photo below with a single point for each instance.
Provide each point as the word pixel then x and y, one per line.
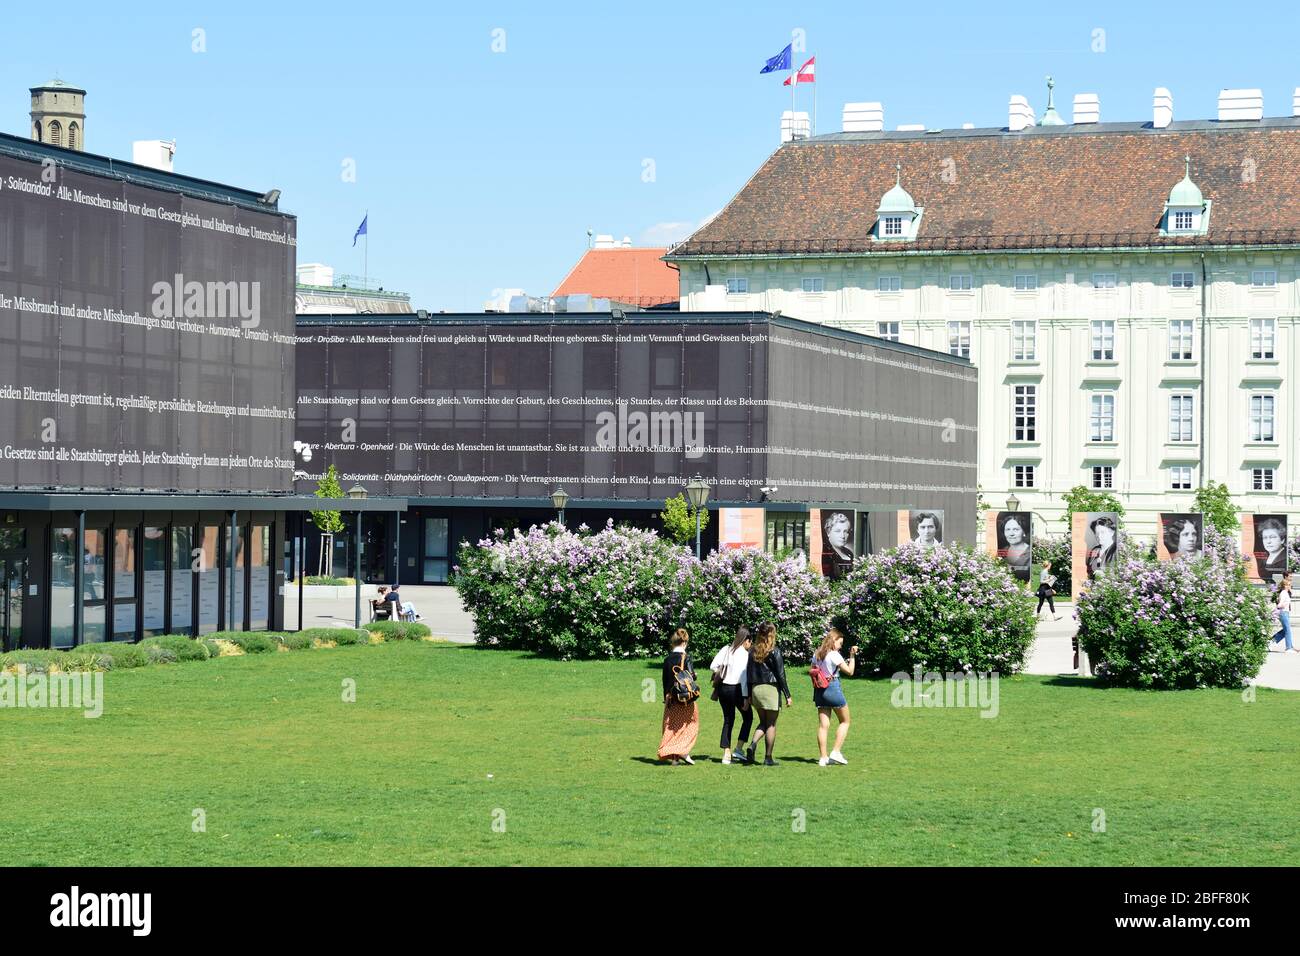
pixel 730 669
pixel 1047 590
pixel 830 663
pixel 681 707
pixel 1282 602
pixel 767 685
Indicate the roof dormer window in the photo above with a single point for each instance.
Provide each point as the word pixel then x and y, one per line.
pixel 1187 213
pixel 898 216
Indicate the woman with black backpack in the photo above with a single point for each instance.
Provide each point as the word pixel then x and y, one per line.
pixel 681 710
pixel 767 686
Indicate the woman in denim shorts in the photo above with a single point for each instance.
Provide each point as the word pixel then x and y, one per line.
pixel 832 663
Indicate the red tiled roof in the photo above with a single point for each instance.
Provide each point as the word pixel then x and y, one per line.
pixel 997 190
pixel 631 276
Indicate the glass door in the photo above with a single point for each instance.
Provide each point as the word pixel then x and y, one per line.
pixel 13 583
pixel 436 554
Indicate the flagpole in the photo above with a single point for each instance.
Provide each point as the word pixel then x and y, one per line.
pixel 793 84
pixel 814 86
pixel 365 279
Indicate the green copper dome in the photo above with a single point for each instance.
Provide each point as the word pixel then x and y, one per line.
pixel 1050 116
pixel 1186 193
pixel 897 199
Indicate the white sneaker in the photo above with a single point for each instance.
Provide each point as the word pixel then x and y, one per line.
pixel 726 758
pixel 823 762
pixel 689 760
pixel 1291 650
pixel 837 757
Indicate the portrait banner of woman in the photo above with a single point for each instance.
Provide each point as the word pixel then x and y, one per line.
pixel 1101 540
pixel 837 543
pixel 1270 547
pixel 1014 549
pixel 926 528
pixel 1181 536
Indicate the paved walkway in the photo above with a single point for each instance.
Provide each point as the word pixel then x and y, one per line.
pixel 440 608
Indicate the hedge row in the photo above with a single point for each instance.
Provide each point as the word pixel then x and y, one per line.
pixel 173 648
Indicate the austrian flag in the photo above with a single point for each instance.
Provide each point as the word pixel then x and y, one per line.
pixel 805 74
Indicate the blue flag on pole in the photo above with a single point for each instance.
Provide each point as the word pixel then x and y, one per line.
pixel 361 230
pixel 779 62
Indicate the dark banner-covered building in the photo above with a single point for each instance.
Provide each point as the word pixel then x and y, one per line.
pixel 146 400
pixel 478 419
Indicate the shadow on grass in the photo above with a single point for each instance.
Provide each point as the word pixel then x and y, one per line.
pixel 1072 680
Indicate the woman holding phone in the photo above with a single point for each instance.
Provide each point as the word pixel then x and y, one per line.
pixel 767 686
pixel 831 663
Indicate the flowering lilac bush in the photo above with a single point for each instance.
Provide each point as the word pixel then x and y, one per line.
pixel 1195 622
pixel 571 594
pixel 945 608
pixel 738 587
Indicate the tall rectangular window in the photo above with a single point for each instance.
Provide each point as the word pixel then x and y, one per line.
pixel 1182 220
pixel 1180 340
pixel 814 284
pixel 1103 340
pixel 1261 479
pixel 1263 338
pixel 1023 476
pixel 1026 283
pixel 959 339
pixel 1103 476
pixel 889 283
pixel 259 577
pixel 1024 426
pixel 1180 417
pixel 893 225
pixel 737 286
pixel 153 596
pixel 888 330
pixel 1101 418
pixel 124 604
pixel 1261 417
pixel 1024 340
pixel 1180 477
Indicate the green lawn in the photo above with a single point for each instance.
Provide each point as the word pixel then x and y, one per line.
pixel 443 740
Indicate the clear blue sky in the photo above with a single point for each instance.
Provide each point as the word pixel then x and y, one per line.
pixel 484 169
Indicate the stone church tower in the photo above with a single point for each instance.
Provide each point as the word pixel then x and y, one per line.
pixel 59 115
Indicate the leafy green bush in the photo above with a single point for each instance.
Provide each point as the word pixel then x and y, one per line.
pixel 293 642
pixel 731 588
pixel 946 609
pixel 182 648
pixel 161 654
pixel 125 655
pixel 1185 623
pixel 214 649
pixel 398 630
pixel 91 657
pixel 571 594
pixel 330 580
pixel 342 636
pixel 250 642
pixel 36 661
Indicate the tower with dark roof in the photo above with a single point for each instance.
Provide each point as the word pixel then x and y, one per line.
pixel 59 115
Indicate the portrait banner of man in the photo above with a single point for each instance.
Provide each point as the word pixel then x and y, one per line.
pixel 1100 540
pixel 1013 542
pixel 1269 547
pixel 837 542
pixel 1181 536
pixel 926 528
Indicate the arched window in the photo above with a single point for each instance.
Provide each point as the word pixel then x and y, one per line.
pixel 56 133
pixel 72 134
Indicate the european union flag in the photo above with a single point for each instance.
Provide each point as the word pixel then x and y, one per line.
pixel 779 62
pixel 361 230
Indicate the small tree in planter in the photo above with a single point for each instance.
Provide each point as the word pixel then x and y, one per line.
pixel 1191 622
pixel 946 609
pixel 678 518
pixel 744 586
pixel 330 523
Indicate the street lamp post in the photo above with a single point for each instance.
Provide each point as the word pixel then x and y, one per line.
pixel 697 492
pixel 357 493
pixel 560 498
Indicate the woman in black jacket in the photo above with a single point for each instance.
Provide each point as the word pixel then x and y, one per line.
pixel 767 686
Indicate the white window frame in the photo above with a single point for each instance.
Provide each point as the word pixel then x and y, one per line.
pixel 1182 280
pixel 1024 340
pixel 1261 421
pixel 1024 412
pixel 1263 278
pixel 1180 478
pixel 1100 332
pixel 1182 332
pixel 1024 476
pixel 1263 479
pixel 1182 427
pixel 889 284
pixel 1026 282
pixel 1184 220
pixel 961 282
pixel 891 227
pixel 1101 417
pixel 737 285
pixel 1263 339
pixel 1105 280
pixel 1103 477
pixel 813 285
pixel 959 338
pixel 884 330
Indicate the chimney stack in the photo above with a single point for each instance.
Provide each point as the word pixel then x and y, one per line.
pixel 911 128
pixel 794 126
pixel 154 153
pixel 1241 105
pixel 1087 108
pixel 1295 102
pixel 1162 108
pixel 863 118
pixel 1020 114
